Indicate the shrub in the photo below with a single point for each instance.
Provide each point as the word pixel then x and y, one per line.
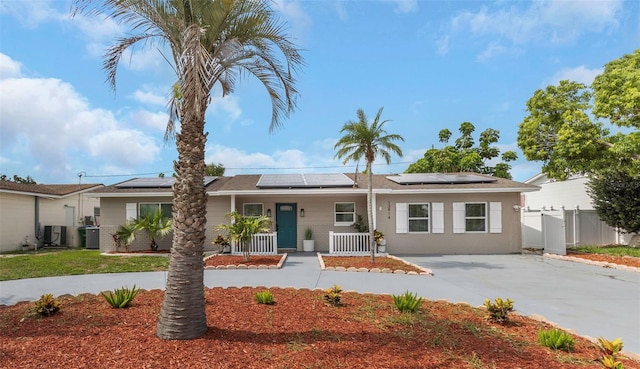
pixel 407 302
pixel 332 295
pixel 264 297
pixel 498 311
pixel 121 297
pixel 47 305
pixel 555 339
pixel 610 350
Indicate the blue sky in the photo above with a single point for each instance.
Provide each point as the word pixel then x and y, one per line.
pixel 430 64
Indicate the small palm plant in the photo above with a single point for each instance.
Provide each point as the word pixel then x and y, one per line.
pixel 155 224
pixel 242 229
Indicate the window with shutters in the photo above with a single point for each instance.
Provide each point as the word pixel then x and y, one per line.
pixel 418 217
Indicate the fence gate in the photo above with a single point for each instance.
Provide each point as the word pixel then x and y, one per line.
pixel 553 232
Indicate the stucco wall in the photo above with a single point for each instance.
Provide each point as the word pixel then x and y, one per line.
pixel 17 217
pixel 508 241
pixel 17 214
pixel 569 193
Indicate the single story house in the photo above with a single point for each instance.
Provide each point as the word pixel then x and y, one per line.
pixel 39 214
pixel 569 198
pixel 454 213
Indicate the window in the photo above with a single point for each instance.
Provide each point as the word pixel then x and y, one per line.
pixel 418 217
pixel 475 219
pixel 147 208
pixel 252 210
pixel 345 213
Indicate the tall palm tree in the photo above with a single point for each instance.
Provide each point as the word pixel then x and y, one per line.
pixel 212 43
pixel 368 141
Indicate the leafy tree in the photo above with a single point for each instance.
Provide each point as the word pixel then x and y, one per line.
pixel 212 43
pixel 362 140
pixel 560 132
pixel 243 228
pixel 464 156
pixel 17 179
pixel 155 224
pixel 616 198
pixel 214 169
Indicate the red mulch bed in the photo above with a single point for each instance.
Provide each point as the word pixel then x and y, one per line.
pixel 257 260
pixel 299 331
pixel 620 260
pixel 380 262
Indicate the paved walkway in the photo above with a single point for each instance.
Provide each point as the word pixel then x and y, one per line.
pixel 593 301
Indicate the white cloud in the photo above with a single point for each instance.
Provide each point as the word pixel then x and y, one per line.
pixel 9 68
pixel 492 50
pixel 228 105
pixel 550 21
pixel 406 6
pixel 442 45
pixel 46 122
pixel 240 162
pixel 31 13
pixel 154 120
pixel 296 17
pixel 148 96
pixel 579 74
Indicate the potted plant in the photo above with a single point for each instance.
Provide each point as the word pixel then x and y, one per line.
pixel 308 244
pixel 380 241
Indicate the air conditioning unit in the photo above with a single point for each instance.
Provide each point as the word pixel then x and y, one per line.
pixel 55 236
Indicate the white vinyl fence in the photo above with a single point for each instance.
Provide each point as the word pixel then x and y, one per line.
pixel 261 244
pixel 349 243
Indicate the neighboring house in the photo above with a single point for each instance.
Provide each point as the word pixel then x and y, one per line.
pixel 570 200
pixel 29 212
pixel 458 213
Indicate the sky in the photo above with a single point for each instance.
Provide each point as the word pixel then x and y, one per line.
pixel 430 64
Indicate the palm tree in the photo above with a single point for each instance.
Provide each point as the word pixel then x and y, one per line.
pixel 212 43
pixel 368 141
pixel 243 228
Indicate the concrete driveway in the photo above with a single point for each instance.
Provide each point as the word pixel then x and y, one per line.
pixel 593 301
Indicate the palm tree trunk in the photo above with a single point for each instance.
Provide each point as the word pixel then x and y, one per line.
pixel 372 241
pixel 183 312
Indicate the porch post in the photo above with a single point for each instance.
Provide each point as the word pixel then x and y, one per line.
pixel 374 205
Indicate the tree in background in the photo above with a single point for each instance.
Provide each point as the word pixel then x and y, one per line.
pixel 362 140
pixel 17 179
pixel 214 169
pixel 212 43
pixel 464 156
pixel 560 132
pixel 616 198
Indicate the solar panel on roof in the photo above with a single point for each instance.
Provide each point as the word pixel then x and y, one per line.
pixel 157 182
pixel 439 178
pixel 313 180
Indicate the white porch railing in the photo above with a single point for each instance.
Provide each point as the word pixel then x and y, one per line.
pixel 261 244
pixel 349 243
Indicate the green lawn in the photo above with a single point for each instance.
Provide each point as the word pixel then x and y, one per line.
pixel 609 250
pixel 70 262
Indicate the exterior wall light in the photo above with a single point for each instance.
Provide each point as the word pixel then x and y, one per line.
pixel 301 213
pixel 269 213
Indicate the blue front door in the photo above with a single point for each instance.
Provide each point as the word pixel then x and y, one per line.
pixel 286 225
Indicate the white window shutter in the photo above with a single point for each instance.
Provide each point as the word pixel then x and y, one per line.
pixel 402 217
pixel 495 217
pixel 437 217
pixel 458 217
pixel 131 211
